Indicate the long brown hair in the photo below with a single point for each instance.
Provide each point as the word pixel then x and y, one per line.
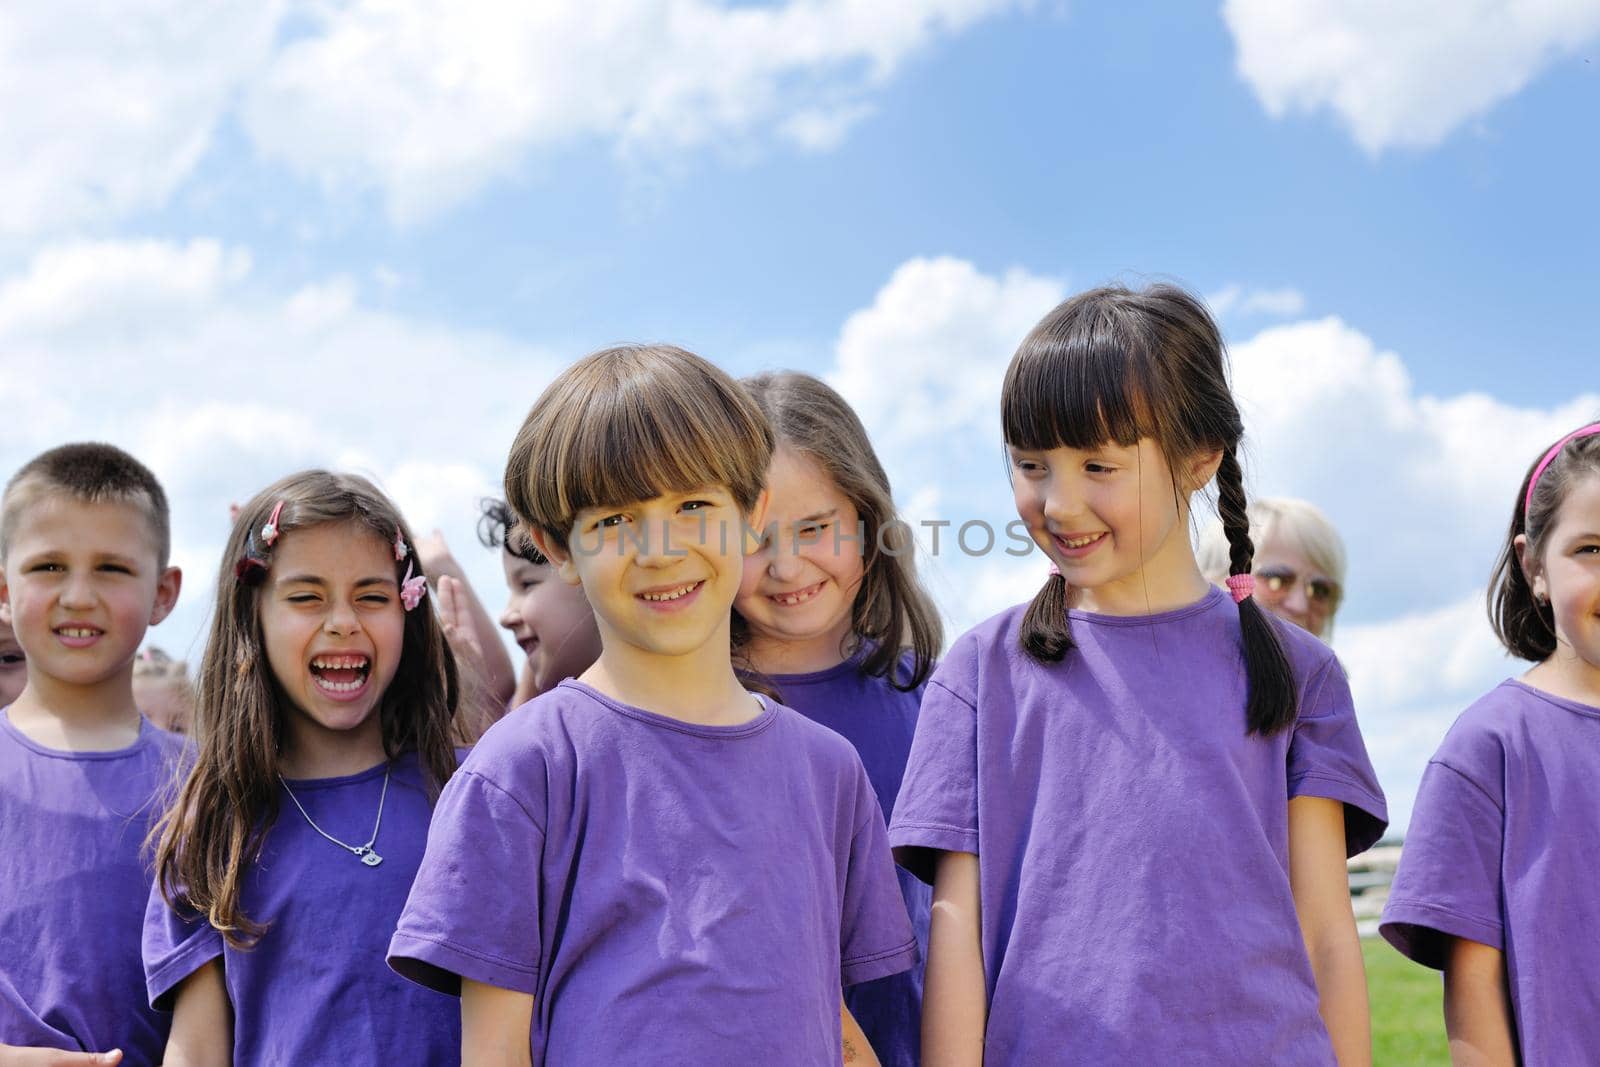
pixel 891 610
pixel 1116 365
pixel 1524 624
pixel 215 828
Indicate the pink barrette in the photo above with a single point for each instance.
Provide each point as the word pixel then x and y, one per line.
pixel 412 589
pixel 1055 572
pixel 269 532
pixel 400 549
pixel 1241 586
pixel 1549 457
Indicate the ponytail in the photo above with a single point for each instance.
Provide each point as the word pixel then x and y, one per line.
pixel 1273 703
pixel 1045 634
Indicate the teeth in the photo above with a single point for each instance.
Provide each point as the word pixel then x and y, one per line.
pixel 1079 542
pixel 340 687
pixel 671 594
pixel 334 663
pixel 799 597
pixel 75 631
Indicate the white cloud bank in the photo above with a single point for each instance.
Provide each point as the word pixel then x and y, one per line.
pixel 1420 484
pixel 109 108
pixel 1401 75
pixel 431 100
pixel 172 352
pixel 425 102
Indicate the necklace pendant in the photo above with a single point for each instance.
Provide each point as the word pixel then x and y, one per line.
pixel 369 857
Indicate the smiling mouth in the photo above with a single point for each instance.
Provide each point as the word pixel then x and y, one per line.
pixel 666 596
pixel 798 596
pixel 345 673
pixel 78 632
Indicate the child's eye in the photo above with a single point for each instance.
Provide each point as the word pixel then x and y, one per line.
pixel 45 567
pixel 527 584
pixel 12 659
pixel 1098 468
pixel 375 598
pixel 303 598
pixel 612 520
pixel 694 505
pixel 115 568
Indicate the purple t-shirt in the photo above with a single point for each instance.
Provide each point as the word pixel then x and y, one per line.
pixel 72 891
pixel 315 988
pixel 879 720
pixel 1503 850
pixel 667 892
pixel 1132 838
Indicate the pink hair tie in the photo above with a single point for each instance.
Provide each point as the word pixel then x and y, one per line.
pixel 1055 572
pixel 1549 458
pixel 269 532
pixel 401 550
pixel 1241 586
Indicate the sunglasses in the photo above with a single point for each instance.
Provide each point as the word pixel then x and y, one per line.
pixel 1276 582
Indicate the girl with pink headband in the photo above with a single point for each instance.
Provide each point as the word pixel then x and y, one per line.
pixel 1109 787
pixel 1496 885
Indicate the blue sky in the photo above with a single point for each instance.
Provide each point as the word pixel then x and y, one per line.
pixel 343 233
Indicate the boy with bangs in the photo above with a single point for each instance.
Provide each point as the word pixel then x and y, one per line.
pixel 84 540
pixel 648 863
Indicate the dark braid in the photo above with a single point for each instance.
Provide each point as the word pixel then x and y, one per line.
pixel 1046 635
pixel 1274 701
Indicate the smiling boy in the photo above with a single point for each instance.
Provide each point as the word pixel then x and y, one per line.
pixel 648 863
pixel 84 540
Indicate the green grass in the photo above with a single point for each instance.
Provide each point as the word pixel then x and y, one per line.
pixel 1407 1009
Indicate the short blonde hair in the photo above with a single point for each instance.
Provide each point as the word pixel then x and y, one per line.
pixel 1301 521
pixel 631 423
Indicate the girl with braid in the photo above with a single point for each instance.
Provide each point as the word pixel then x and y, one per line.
pixel 1134 796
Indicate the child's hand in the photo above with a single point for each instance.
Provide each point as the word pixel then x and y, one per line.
pixel 434 555
pixel 456 620
pixel 12 1056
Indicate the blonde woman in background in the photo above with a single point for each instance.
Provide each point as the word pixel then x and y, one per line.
pixel 1298 565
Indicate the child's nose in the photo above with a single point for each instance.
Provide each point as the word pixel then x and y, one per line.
pixel 341 620
pixel 77 591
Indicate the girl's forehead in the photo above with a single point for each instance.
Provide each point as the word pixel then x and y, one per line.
pixel 1579 511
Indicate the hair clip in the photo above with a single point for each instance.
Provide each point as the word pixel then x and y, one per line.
pixel 401 549
pixel 250 570
pixel 269 532
pixel 1241 586
pixel 412 589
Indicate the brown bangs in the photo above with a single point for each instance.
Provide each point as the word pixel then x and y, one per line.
pixel 1083 377
pixel 632 423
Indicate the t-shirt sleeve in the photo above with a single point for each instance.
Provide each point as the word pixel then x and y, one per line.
pixel 1448 884
pixel 1327 758
pixel 175 945
pixel 875 937
pixel 473 911
pixel 937 810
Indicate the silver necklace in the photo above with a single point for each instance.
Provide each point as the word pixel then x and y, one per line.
pixel 362 852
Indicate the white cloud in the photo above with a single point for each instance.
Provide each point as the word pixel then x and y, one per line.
pixel 430 101
pixel 1237 300
pixel 109 108
pixel 172 352
pixel 1420 484
pixel 1401 75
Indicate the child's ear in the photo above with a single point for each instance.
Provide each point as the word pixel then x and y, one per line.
pixel 167 588
pixel 1530 567
pixel 754 523
pixel 1202 467
pixel 560 558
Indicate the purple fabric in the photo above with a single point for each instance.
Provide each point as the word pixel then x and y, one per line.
pixel 1502 850
pixel 668 893
pixel 72 891
pixel 1132 839
pixel 315 988
pixel 879 720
